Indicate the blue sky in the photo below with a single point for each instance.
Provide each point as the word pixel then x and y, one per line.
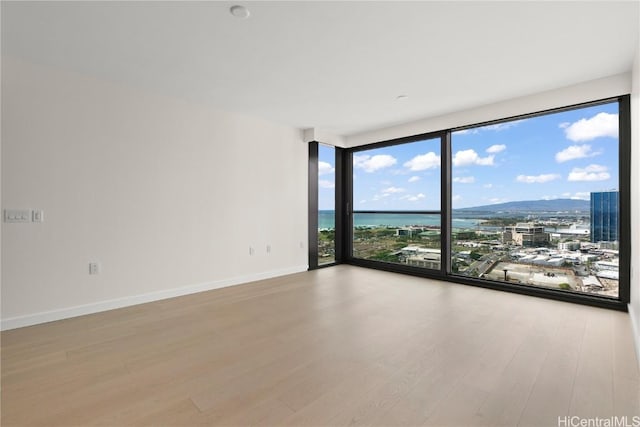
pixel 326 177
pixel 560 155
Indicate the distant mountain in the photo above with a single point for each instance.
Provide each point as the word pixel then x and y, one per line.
pixel 555 205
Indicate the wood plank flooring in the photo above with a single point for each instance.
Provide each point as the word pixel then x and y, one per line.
pixel 333 347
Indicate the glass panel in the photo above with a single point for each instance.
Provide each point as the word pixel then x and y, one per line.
pixel 410 239
pixel 399 177
pixel 326 204
pixel 535 201
pixel 403 177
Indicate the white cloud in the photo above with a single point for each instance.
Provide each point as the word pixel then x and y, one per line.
pixel 325 183
pixel 464 179
pixel 456 198
pixel 581 195
pixel 502 126
pixel 497 200
pixel 380 196
pixel 602 124
pixel 413 198
pixel 414 179
pixel 564 125
pixel 465 157
pixel 485 161
pixel 421 162
pixel 488 186
pixel 470 157
pixel 325 168
pixel 372 164
pixel 392 190
pixel 496 127
pixel 496 148
pixel 538 179
pixel 590 173
pixel 596 168
pixel 575 152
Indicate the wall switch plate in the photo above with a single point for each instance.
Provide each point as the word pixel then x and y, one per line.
pixel 37 215
pixel 17 215
pixel 94 268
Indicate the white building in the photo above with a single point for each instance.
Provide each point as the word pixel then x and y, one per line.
pixel 569 246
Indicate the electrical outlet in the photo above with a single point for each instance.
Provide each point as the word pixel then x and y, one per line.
pixel 268 249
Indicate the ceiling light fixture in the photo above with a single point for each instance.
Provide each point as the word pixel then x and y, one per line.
pixel 240 12
pixel 402 97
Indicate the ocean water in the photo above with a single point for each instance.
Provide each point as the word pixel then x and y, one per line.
pixel 326 219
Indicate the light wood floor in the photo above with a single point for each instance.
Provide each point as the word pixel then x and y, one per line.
pixel 338 346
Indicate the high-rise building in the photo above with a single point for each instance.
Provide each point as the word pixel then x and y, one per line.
pixel 604 216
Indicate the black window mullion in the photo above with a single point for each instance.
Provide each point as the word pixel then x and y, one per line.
pixel 339 205
pixel 445 204
pixel 399 212
pixel 347 205
pixel 624 199
pixel 313 205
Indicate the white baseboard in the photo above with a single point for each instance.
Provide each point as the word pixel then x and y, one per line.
pixel 81 310
pixel 635 325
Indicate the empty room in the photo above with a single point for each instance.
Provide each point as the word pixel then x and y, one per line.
pixel 320 213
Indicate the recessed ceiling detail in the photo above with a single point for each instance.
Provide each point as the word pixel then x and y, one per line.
pixel 240 11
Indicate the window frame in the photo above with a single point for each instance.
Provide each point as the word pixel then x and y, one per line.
pixel 393 267
pixel 313 207
pixel 344 190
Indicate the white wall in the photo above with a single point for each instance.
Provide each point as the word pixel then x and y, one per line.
pixel 634 306
pixel 0 188
pixel 167 196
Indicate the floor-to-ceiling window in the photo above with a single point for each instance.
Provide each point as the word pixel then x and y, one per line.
pixel 326 204
pixel 396 215
pixel 537 204
pixel 535 201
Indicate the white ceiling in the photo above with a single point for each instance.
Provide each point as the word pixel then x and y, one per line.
pixel 335 66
